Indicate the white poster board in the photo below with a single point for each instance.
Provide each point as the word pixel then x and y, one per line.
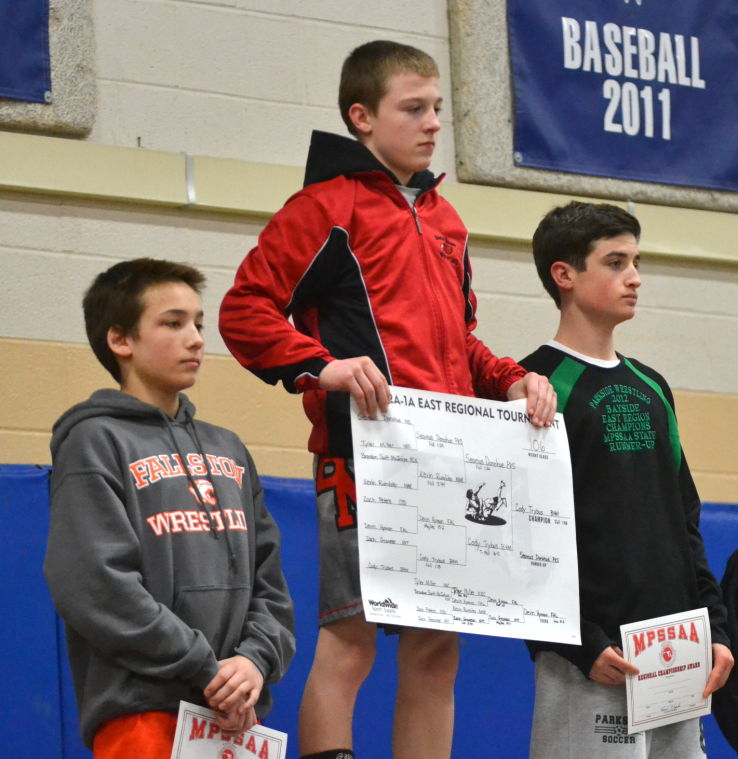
pixel 466 518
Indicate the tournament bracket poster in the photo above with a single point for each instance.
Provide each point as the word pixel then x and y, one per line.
pixel 465 517
pixel 630 89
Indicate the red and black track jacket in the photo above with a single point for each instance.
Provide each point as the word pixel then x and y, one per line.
pixel 361 273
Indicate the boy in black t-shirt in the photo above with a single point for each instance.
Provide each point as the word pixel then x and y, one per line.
pixel 637 510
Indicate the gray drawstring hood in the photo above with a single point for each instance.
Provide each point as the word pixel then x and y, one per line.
pixel 151 597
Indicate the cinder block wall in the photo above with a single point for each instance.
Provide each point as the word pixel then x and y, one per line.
pixel 243 79
pixel 244 82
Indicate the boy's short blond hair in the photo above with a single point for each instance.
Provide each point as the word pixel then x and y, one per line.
pixel 366 70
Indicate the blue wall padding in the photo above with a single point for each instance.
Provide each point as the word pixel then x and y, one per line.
pixel 30 703
pixel 494 694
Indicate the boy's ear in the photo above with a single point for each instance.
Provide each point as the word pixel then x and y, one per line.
pixel 360 118
pixel 563 275
pixel 119 342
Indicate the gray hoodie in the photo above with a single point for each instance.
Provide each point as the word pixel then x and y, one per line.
pixel 161 558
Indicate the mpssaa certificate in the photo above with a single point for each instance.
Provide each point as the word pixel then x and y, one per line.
pixel 674 656
pixel 199 737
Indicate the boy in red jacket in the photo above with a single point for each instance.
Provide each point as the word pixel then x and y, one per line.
pixel 371 264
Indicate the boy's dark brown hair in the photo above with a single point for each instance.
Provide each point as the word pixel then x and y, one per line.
pixel 115 300
pixel 366 70
pixel 568 233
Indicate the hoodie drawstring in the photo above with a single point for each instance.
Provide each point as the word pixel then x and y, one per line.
pixel 190 427
pixel 198 444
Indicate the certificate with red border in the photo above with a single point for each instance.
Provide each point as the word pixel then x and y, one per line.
pixel 199 737
pixel 674 656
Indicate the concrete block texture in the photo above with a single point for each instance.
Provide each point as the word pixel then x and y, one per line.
pixel 51 252
pixel 71 112
pixel 51 249
pixel 685 327
pixel 426 18
pixel 483 120
pixel 240 79
pixel 39 380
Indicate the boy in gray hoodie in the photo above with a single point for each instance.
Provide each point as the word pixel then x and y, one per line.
pixel 162 559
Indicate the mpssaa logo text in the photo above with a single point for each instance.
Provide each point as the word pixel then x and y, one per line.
pixel 645 640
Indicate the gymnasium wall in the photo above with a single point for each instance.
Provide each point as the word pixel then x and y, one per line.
pixel 202 120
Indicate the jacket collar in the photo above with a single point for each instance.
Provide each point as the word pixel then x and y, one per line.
pixel 332 155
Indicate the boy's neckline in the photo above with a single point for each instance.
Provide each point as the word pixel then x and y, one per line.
pixel 409 193
pixel 603 363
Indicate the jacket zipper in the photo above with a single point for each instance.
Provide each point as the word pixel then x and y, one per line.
pixel 417 220
pixel 433 300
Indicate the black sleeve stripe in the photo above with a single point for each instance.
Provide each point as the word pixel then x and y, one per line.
pixel 335 287
pixel 468 309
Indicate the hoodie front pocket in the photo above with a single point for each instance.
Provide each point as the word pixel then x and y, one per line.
pixel 218 612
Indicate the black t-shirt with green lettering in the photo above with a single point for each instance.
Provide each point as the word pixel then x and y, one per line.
pixel 637 510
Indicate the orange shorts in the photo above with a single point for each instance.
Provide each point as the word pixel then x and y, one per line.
pixel 148 735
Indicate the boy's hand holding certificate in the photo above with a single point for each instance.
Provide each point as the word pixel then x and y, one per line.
pixel 199 737
pixel 673 654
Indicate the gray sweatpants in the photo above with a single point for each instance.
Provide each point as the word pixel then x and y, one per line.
pixel 576 718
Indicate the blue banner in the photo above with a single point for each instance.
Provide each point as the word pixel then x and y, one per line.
pixel 630 89
pixel 25 73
